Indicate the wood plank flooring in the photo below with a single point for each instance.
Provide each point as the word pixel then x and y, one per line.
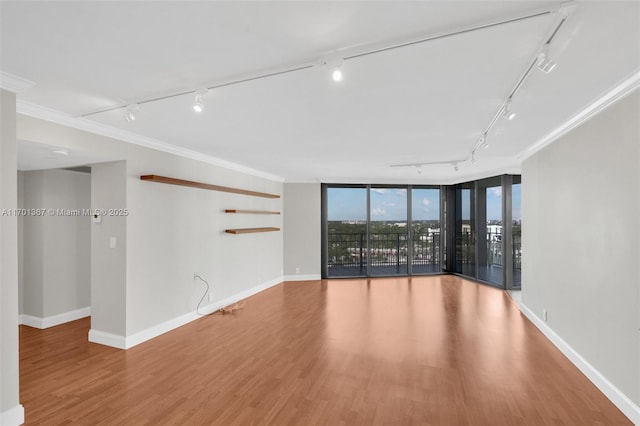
pixel 426 350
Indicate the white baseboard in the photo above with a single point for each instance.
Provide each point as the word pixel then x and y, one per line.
pixel 108 339
pixel 54 320
pixel 299 277
pixel 128 342
pixel 13 416
pixel 619 399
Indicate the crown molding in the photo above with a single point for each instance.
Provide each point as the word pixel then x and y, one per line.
pixel 58 117
pixel 627 86
pixel 13 83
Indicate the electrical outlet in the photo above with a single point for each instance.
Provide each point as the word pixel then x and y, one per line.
pixel 210 297
pixel 544 315
pixel 297 270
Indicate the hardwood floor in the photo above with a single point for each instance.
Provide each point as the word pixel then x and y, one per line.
pixel 427 350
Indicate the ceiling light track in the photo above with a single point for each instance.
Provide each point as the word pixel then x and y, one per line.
pixel 336 71
pixel 544 63
pixel 451 33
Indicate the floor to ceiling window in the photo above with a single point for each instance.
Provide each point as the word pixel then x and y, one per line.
pixel 489 225
pixel 425 231
pixel 486 239
pixel 387 230
pixel 516 230
pixel 465 223
pixel 346 231
pixel 381 230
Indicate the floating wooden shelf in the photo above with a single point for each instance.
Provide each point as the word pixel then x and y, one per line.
pixel 181 182
pixel 250 230
pixel 250 211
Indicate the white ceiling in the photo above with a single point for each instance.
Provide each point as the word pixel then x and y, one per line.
pixel 425 102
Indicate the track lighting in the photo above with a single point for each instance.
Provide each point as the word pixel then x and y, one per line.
pixel 334 63
pixel 336 75
pixel 483 141
pixel 455 166
pixel 544 62
pixel 508 113
pixel 130 112
pixel 198 103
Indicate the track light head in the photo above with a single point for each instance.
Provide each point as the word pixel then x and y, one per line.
pixel 508 113
pixel 130 112
pixel 474 160
pixel 334 63
pixel 198 103
pixel 336 75
pixel 483 141
pixel 545 63
pixel 455 166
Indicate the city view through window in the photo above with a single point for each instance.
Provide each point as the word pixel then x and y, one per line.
pixel 386 230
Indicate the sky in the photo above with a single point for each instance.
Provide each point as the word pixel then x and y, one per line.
pixel 391 204
pixel 386 204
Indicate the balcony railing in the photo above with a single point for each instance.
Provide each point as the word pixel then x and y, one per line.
pixel 388 253
pixel 466 252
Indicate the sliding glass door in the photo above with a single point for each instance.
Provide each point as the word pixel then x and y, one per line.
pixel 425 231
pixel 485 244
pixel 516 231
pixel 381 230
pixel 346 231
pixel 489 235
pixel 388 231
pixel 465 228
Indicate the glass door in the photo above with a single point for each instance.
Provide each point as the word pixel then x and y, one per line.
pixel 381 230
pixel 425 231
pixel 490 232
pixel 388 231
pixel 465 229
pixel 346 231
pixel 516 231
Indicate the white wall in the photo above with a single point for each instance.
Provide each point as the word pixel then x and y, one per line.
pixel 32 245
pixel 581 234
pixel 55 256
pixel 173 231
pixel 302 231
pixel 108 265
pixel 11 411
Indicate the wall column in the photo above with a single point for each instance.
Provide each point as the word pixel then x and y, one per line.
pixel 11 412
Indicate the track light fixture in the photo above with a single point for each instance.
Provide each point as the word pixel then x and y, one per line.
pixel 130 112
pixel 483 143
pixel 508 113
pixel 336 75
pixel 544 62
pixel 334 63
pixel 198 104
